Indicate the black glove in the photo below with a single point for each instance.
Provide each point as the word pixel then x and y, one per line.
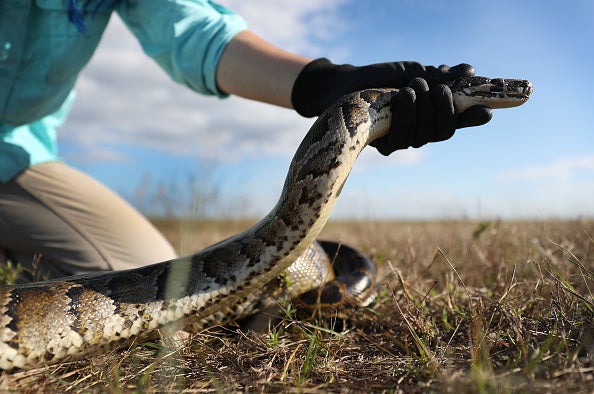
pixel 424 112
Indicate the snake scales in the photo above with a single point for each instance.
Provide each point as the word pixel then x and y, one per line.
pixel 44 322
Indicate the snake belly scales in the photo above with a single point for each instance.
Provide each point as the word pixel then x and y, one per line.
pixel 44 322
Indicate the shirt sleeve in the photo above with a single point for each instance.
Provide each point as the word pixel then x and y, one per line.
pixel 185 37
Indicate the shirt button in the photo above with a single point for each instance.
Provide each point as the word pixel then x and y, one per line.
pixel 4 51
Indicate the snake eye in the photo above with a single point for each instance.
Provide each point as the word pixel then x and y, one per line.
pixel 497 85
pixel 478 81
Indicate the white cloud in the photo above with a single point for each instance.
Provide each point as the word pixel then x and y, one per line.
pixel 98 154
pixel 559 169
pixel 370 159
pixel 293 25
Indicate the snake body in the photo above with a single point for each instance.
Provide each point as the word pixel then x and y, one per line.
pixel 43 322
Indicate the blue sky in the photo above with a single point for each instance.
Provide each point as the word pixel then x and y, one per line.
pixel 144 136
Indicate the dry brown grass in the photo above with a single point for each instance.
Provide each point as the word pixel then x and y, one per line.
pixel 463 307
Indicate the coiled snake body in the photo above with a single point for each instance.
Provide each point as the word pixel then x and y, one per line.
pixel 44 322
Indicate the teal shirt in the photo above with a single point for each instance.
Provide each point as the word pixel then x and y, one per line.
pixel 42 53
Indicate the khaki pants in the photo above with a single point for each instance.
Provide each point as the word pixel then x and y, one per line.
pixel 75 223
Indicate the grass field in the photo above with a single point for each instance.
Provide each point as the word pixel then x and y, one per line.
pixel 464 306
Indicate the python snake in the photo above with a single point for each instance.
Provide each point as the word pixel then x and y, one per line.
pixel 43 322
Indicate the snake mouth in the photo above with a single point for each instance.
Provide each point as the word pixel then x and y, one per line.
pixel 504 90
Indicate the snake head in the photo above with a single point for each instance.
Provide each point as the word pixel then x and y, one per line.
pixel 492 92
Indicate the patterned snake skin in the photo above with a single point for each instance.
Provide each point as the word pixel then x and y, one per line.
pixel 44 322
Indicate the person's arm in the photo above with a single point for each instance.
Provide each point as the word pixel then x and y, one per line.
pixel 252 68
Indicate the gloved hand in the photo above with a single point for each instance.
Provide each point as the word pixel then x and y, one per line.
pixel 423 109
